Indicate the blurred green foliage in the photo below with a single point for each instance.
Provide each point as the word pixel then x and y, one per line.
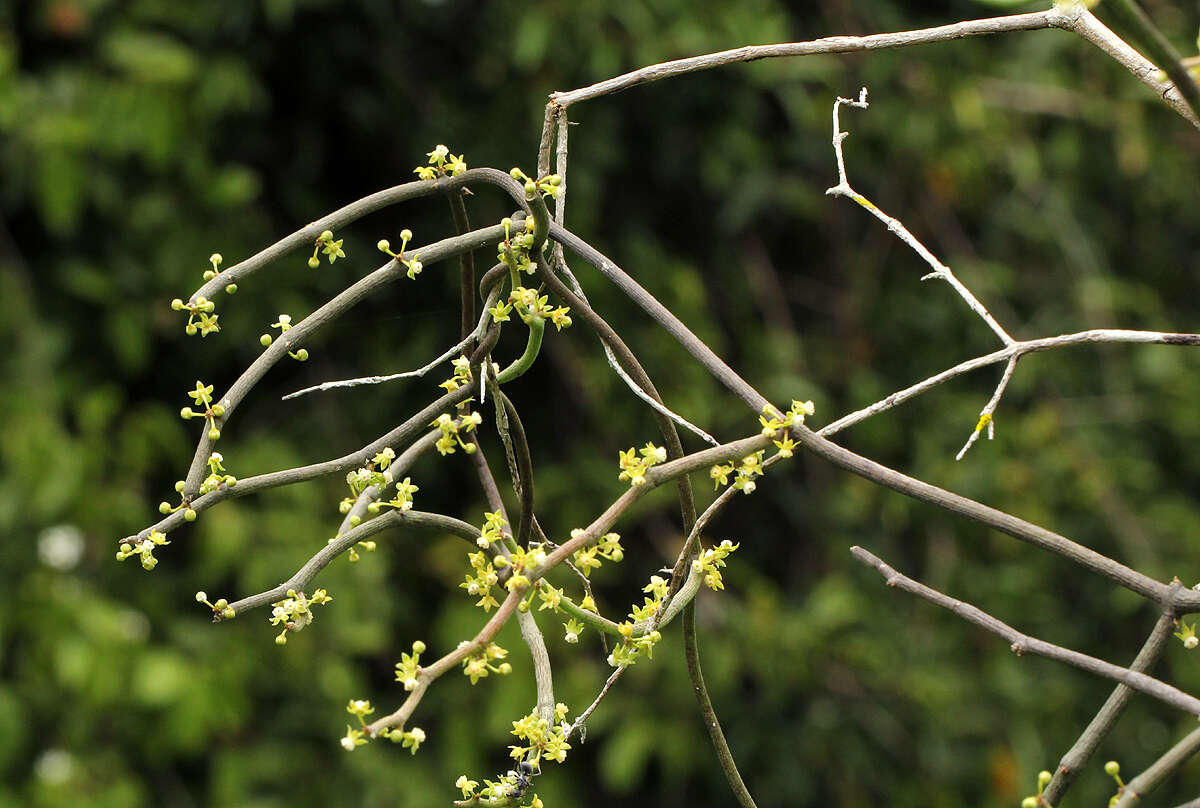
pixel 138 137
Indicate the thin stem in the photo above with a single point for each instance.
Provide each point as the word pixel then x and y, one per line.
pixel 523 482
pixel 560 265
pixel 408 374
pixel 691 652
pixel 987 414
pixel 466 263
pixel 1022 643
pixel 662 315
pixel 897 227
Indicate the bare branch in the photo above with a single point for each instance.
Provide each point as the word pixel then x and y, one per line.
pixel 832 44
pixel 1101 725
pixel 1147 587
pixel 408 374
pixel 1014 351
pixel 1023 643
pixel 897 227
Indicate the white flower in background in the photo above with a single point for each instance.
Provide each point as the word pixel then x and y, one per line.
pixel 60 547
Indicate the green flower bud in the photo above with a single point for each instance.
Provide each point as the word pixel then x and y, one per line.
pixel 265 340
pixel 418 647
pixel 214 434
pixel 302 354
pixel 231 289
pixel 190 515
pixel 190 330
pixel 384 245
pixel 126 548
pixel 176 305
pixel 228 613
pixel 186 413
pixel 530 189
pixel 326 235
pixel 179 486
pixel 220 604
pixel 201 596
pixel 209 274
pixel 355 520
pixel 215 259
pixel 218 410
pixel 1044 778
pixel 516 173
pixel 1112 768
pixel 313 262
pixel 281 639
pixel 523 606
pixel 164 507
pixel 373 508
pixel 1029 802
pixel 230 481
pixel 406 235
pixel 505 669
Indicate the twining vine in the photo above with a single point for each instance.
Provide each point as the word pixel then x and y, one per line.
pixel 510 558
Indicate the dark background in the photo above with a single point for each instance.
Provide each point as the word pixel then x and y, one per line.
pixel 138 137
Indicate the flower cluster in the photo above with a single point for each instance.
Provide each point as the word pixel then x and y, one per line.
pixel 514 250
pixel 215 259
pixel 326 244
pixel 635 464
pixel 631 647
pixel 751 466
pixel 530 306
pixel 409 666
pixel 451 429
pixel 200 315
pixel 550 185
pixel 216 478
pixel 507 790
pixel 478 665
pixel 588 559
pixel 294 612
pixel 441 163
pixel 413 262
pixel 144 548
pixel 772 422
pixel 492 530
pixel 220 609
pixel 202 396
pixel 284 324
pixel 542 741
pixel 709 564
pixel 481 583
pixel 462 374
pixel 521 561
